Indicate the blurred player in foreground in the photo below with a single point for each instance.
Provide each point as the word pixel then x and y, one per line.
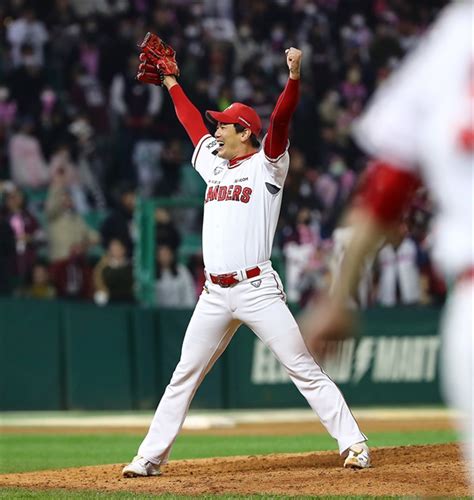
pixel 420 124
pixel 241 208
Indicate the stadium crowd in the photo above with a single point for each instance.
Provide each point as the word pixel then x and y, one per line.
pixel 80 138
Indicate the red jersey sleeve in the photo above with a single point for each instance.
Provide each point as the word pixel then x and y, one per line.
pixel 386 190
pixel 277 135
pixel 188 114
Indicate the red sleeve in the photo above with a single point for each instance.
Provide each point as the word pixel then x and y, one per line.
pixel 277 135
pixel 188 114
pixel 386 191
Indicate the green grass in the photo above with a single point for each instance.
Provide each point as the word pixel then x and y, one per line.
pixel 27 452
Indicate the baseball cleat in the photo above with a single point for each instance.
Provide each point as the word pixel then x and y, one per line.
pixel 140 467
pixel 358 457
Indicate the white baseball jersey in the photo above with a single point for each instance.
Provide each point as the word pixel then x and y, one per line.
pixel 241 210
pixel 415 121
pixel 242 206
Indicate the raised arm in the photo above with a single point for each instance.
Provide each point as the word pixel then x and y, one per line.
pixel 277 135
pixel 158 66
pixel 187 113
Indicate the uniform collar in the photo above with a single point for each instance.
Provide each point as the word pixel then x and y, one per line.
pixel 235 162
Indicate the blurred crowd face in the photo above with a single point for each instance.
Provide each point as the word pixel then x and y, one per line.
pixel 4 94
pixel 173 152
pixel 117 250
pixel 165 256
pixel 40 275
pixel 297 161
pixel 304 216
pixel 162 216
pixel 15 200
pixel 67 201
pixel 27 127
pixel 353 76
pixel 28 59
pixel 128 200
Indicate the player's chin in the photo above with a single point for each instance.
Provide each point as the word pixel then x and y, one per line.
pixel 221 153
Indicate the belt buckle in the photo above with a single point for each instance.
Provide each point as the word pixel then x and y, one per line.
pixel 224 284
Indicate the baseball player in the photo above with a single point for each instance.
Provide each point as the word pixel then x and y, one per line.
pixel 420 124
pixel 241 207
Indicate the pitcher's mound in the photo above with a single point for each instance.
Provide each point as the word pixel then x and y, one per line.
pixel 432 470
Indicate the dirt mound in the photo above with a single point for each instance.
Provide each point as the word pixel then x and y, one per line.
pixel 434 470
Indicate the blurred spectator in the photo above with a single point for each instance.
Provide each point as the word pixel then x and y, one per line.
pixel 134 106
pixel 26 83
pixel 27 164
pixel 72 276
pixel 146 160
pixel 433 286
pixel 26 229
pixel 299 249
pixel 329 107
pixel 90 165
pixel 52 124
pixel 7 253
pixel 113 275
pixel 119 224
pixel 69 238
pixel 298 190
pixel 8 109
pixel 166 232
pixel 87 95
pixel 27 30
pixel 61 164
pixel 196 266
pixel 174 283
pixel 39 286
pixel 399 276
pixel 170 162
pixel 78 179
pixel 352 88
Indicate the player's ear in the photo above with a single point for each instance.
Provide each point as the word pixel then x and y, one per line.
pixel 245 134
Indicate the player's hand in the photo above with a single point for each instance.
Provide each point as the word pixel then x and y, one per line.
pixel 293 60
pixel 325 322
pixel 169 81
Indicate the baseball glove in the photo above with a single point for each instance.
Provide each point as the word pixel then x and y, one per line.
pixel 157 60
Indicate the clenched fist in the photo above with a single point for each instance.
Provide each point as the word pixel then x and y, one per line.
pixel 293 60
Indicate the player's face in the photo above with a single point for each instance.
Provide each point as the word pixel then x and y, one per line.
pixel 229 141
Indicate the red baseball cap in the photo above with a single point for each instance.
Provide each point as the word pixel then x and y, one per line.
pixel 237 113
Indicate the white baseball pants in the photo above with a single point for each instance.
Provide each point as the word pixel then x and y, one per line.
pixel 218 314
pixel 457 364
